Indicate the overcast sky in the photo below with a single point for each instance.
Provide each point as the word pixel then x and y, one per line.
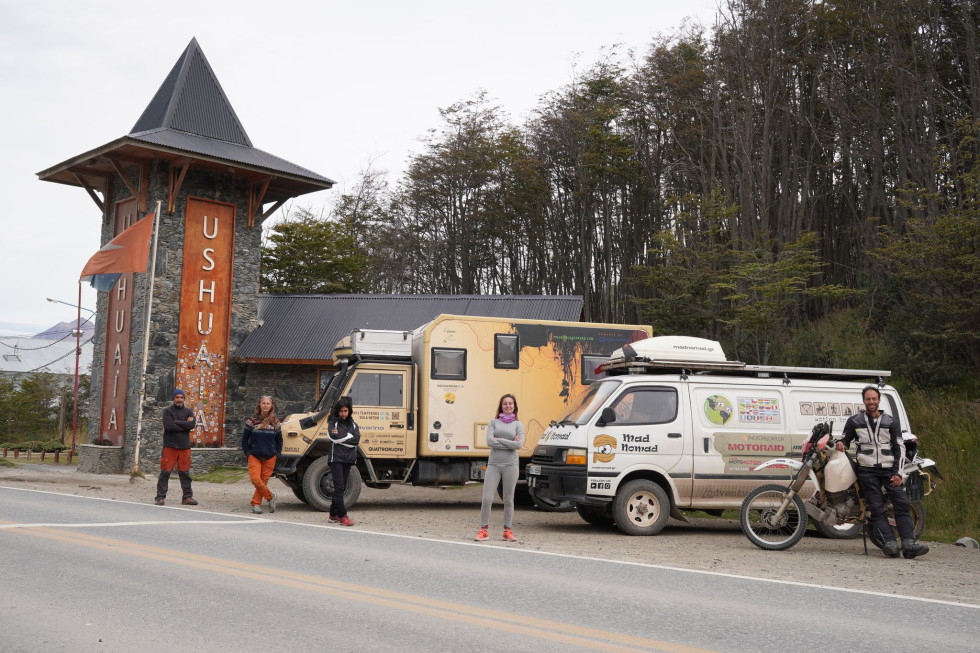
pixel 327 85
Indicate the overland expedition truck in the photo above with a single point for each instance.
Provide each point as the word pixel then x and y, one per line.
pixel 675 425
pixel 423 399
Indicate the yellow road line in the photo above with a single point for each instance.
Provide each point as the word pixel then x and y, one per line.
pixel 507 621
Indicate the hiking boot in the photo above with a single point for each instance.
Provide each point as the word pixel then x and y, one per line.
pixel 189 501
pixel 345 521
pixel 891 549
pixel 272 503
pixel 257 510
pixel 158 502
pixel 482 535
pixel 509 535
pixel 915 549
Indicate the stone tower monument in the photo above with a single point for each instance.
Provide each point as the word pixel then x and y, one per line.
pixel 189 152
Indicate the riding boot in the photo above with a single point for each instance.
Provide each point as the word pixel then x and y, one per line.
pixel 914 549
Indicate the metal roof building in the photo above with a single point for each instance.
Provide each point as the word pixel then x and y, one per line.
pixel 303 329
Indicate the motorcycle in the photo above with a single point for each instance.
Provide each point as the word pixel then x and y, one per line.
pixel 775 517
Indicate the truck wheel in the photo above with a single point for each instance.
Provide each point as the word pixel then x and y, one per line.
pixel 641 507
pixel 318 485
pixel 298 491
pixel 595 515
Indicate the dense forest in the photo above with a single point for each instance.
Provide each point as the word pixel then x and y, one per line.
pixel 798 173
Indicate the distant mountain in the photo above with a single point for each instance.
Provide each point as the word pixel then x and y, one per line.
pixel 63 329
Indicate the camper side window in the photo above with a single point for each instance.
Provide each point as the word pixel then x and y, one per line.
pixel 376 389
pixel 448 364
pixel 506 348
pixel 589 363
pixel 646 406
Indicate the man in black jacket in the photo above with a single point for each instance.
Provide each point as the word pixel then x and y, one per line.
pixel 178 422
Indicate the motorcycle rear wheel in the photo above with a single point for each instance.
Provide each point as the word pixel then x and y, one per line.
pixel 757 513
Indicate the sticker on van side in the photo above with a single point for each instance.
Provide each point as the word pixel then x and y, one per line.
pixel 743 452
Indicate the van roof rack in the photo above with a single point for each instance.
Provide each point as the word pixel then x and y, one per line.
pixel 619 366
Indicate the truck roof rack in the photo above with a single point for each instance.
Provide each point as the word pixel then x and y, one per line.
pixel 618 366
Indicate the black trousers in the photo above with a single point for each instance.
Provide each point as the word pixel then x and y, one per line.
pixel 340 473
pixel 185 484
pixel 872 480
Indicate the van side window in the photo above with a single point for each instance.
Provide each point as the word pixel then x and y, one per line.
pixel 646 406
pixel 506 350
pixel 589 375
pixel 449 364
pixel 376 389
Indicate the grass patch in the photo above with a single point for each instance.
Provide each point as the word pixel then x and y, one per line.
pixel 221 474
pixel 948 427
pixel 7 463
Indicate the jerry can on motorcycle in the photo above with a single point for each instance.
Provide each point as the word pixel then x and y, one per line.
pixel 838 473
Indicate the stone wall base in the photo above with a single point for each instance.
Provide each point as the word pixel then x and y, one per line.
pixel 96 459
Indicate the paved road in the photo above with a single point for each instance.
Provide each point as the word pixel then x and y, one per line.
pixel 85 574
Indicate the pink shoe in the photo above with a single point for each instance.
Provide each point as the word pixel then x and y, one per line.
pixel 332 518
pixel 346 521
pixel 509 535
pixel 482 535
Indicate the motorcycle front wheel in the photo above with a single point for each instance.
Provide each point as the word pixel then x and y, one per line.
pixel 759 521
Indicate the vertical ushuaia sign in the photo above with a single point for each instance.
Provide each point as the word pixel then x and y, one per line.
pixel 112 420
pixel 205 314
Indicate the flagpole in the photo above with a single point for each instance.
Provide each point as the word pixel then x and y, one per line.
pixel 146 343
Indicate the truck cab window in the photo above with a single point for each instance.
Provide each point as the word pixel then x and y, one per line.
pixel 506 348
pixel 646 406
pixel 449 364
pixel 589 363
pixel 376 389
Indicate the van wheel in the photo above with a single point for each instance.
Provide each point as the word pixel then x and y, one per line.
pixel 318 485
pixel 641 507
pixel 595 515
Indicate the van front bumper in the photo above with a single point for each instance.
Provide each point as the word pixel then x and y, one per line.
pixel 556 483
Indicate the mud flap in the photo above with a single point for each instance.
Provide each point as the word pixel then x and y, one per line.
pixel 675 513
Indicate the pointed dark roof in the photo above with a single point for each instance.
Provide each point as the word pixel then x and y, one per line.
pixel 190 118
pixel 191 100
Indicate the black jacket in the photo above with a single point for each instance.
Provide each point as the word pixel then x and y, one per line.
pixel 178 422
pixel 344 449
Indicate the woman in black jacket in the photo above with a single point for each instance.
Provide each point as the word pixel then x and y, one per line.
pixel 344 434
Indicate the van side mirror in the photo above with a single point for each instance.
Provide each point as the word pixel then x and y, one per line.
pixel 607 416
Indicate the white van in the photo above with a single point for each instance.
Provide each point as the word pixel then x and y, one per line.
pixel 675 425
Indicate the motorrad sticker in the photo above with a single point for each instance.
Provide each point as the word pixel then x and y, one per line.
pixel 605 448
pixel 718 409
pixel 743 452
pixel 759 410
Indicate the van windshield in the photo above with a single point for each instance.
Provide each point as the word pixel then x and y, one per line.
pixel 589 402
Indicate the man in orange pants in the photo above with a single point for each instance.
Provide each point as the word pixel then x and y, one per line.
pixel 178 422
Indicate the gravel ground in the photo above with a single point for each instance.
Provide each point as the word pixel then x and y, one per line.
pixel 948 572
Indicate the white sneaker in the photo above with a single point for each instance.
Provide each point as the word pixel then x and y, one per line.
pixel 272 503
pixel 257 510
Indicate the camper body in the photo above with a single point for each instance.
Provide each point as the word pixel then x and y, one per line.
pixel 423 398
pixel 674 425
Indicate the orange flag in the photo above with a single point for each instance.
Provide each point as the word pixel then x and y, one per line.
pixel 127 252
